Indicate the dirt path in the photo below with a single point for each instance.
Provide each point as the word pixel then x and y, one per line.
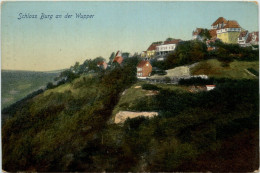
pixel 123 115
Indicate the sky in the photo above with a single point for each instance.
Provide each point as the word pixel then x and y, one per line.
pixel 43 45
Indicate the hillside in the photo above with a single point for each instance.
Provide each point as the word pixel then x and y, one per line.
pixel 235 70
pixel 70 127
pixel 57 124
pixel 18 84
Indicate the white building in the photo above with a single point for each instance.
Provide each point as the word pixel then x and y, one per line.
pixel 210 87
pixel 166 47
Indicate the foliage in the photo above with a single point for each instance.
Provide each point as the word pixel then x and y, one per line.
pixel 186 52
pixel 10 110
pixel 50 85
pixel 214 68
pixel 204 34
pixel 229 52
pixel 149 87
pixel 169 39
pixel 197 81
pixel 111 58
pixel 46 132
pixel 68 130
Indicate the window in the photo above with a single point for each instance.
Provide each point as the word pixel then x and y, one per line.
pixel 147 65
pixel 139 69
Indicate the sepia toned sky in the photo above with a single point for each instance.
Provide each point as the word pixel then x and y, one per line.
pixel 45 45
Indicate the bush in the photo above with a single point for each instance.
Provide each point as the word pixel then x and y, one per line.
pixel 150 87
pixel 50 85
pixel 197 81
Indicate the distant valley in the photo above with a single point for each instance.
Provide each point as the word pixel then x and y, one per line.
pixel 18 84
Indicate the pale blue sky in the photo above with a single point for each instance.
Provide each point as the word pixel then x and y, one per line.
pixel 34 44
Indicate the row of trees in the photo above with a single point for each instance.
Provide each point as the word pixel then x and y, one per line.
pixel 88 66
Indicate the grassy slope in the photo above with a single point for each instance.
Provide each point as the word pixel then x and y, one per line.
pixel 236 70
pixel 66 132
pixel 49 130
pixel 51 124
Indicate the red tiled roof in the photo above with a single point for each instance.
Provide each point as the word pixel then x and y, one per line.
pixel 232 24
pixel 174 41
pixel 142 63
pixel 210 48
pixel 152 47
pixel 219 20
pixel 118 59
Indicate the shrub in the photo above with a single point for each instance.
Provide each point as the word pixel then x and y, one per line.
pixel 150 87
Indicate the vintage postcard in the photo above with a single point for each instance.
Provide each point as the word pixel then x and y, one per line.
pixel 130 86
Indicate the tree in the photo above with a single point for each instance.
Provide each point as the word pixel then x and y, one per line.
pixel 169 39
pixel 111 58
pixel 76 67
pixel 185 53
pixel 204 34
pixel 50 85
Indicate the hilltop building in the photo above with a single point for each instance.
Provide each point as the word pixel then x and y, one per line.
pixel 102 65
pixel 219 23
pixel 254 38
pixel 143 54
pixel 247 39
pixel 243 39
pixel 144 69
pixel 166 47
pixel 152 49
pixel 228 31
pixel 118 58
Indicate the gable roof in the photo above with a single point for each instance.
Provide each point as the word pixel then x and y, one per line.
pixel 118 53
pixel 152 47
pixel 142 63
pixel 219 20
pixel 118 59
pixel 232 24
